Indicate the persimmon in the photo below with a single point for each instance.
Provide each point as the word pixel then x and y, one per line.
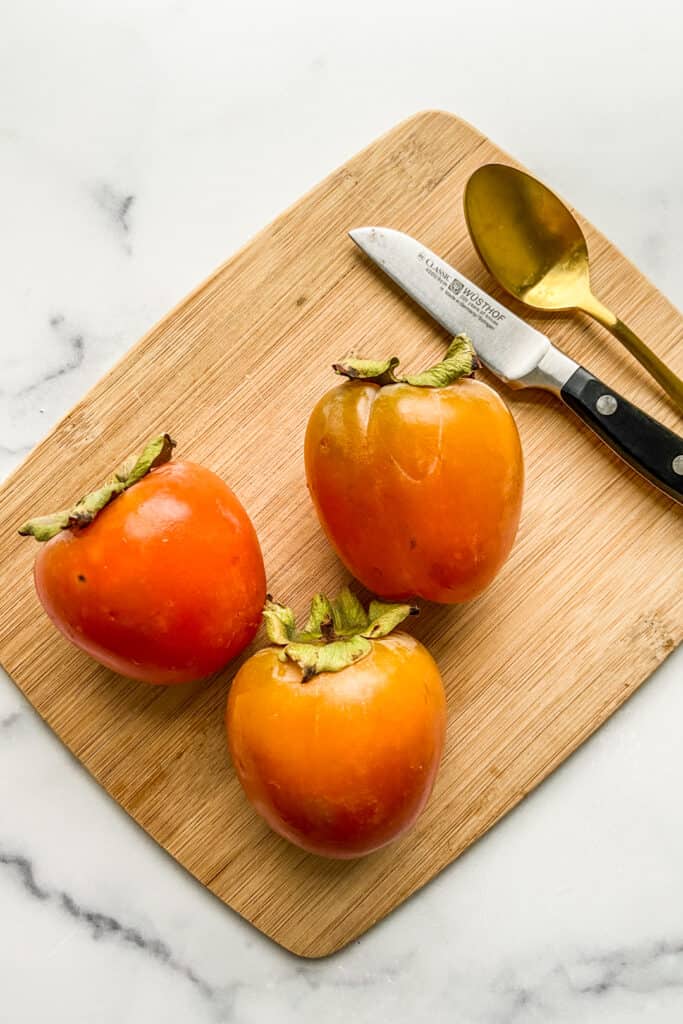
pixel 417 481
pixel 336 731
pixel 158 574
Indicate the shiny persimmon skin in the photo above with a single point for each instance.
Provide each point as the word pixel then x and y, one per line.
pixel 343 764
pixel 166 585
pixel 419 490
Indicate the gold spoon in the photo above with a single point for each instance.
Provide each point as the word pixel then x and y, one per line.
pixel 531 243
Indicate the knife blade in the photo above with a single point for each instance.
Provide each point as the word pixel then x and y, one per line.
pixel 524 357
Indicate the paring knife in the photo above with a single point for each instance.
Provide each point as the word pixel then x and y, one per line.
pixel 523 357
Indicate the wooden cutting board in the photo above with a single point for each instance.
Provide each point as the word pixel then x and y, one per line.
pixel 587 606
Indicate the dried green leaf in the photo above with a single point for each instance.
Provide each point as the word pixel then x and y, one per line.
pixel 44 528
pixel 460 361
pixel 332 657
pixel 384 618
pixel 320 619
pixel 279 622
pixel 349 615
pixel 156 452
pixel 379 371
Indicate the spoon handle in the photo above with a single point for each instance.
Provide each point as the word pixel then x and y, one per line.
pixel 665 377
pixel 650 448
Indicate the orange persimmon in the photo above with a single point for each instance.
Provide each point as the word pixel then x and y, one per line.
pixel 418 481
pixel 158 575
pixel 336 733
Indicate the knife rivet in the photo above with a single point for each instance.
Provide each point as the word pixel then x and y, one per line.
pixel 606 405
pixel 677 465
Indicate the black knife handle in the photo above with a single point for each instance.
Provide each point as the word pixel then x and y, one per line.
pixel 650 448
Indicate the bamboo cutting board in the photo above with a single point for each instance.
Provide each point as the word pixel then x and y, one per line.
pixel 587 606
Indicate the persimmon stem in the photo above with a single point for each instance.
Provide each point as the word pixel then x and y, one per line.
pixel 337 634
pixel 157 451
pixel 460 361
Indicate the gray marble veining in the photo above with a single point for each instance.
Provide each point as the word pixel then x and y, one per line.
pixel 74 345
pixel 117 206
pixel 7 721
pixel 99 925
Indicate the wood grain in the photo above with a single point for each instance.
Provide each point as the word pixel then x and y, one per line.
pixel 587 606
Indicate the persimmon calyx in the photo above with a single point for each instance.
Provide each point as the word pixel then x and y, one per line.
pixel 460 361
pixel 157 451
pixel 337 634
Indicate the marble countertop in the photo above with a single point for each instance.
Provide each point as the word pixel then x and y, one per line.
pixel 140 144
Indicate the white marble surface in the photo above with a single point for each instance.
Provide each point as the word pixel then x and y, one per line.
pixel 140 143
